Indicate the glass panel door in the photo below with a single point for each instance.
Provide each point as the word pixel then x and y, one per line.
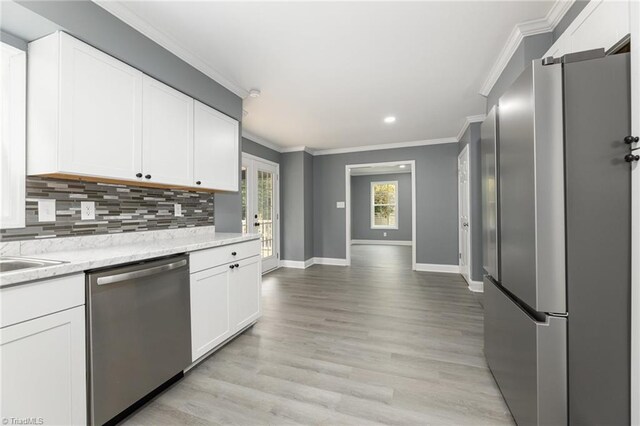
pixel 259 189
pixel 265 211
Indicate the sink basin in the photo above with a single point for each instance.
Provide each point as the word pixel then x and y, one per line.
pixel 8 264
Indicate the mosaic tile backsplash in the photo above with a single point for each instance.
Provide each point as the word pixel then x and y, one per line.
pixel 119 208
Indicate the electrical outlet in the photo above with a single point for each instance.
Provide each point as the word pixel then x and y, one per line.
pixel 177 209
pixel 87 210
pixel 384 234
pixel 340 204
pixel 46 210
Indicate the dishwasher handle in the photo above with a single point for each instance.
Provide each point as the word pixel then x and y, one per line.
pixel 110 279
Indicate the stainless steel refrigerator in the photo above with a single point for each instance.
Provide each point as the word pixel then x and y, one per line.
pixel 557 244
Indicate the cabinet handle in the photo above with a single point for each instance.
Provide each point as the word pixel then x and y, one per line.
pixel 236 265
pixel 233 253
pixel 198 183
pixel 147 177
pixel 138 175
pixel 232 266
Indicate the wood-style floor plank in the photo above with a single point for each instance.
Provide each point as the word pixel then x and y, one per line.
pixel 374 343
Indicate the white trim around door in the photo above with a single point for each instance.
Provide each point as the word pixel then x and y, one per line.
pixel 347 180
pixel 253 164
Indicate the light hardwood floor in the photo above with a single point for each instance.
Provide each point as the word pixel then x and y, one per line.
pixel 374 343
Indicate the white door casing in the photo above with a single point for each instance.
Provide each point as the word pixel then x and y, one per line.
pixel 263 206
pixel 347 204
pixel 464 218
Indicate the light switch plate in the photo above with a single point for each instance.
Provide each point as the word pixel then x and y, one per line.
pixel 87 210
pixel 177 208
pixel 340 205
pixel 46 210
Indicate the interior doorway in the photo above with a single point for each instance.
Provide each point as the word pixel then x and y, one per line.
pixel 464 218
pixel 388 217
pixel 260 206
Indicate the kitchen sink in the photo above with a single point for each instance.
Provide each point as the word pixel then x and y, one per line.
pixel 8 264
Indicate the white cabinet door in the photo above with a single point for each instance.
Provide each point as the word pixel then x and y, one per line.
pixel 13 94
pixel 167 134
pixel 245 292
pixel 216 149
pixel 210 323
pixel 100 113
pixel 44 369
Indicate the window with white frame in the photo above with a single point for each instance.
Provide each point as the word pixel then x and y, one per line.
pixel 384 205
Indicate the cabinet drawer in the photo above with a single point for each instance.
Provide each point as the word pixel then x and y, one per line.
pixel 210 258
pixel 27 301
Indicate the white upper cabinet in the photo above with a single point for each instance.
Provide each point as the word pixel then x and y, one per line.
pixel 167 134
pixel 601 24
pixel 85 111
pixel 13 94
pixel 91 115
pixel 216 149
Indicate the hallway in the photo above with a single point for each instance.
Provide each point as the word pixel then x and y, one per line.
pixel 356 345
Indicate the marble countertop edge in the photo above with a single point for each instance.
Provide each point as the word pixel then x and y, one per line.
pixel 77 261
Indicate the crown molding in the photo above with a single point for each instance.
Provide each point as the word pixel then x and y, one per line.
pixel 467 122
pixel 385 146
pixel 261 141
pixel 298 149
pixel 520 31
pixel 132 19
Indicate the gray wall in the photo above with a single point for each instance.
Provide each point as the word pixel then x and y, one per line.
pixel 229 206
pixel 296 206
pixel 361 208
pixel 11 40
pixel 568 18
pixel 532 47
pixel 92 24
pixel 292 206
pixel 471 138
pixel 308 205
pixel 436 200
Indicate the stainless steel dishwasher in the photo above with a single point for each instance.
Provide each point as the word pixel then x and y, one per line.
pixel 138 319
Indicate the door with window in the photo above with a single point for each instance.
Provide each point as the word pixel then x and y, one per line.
pixel 260 206
pixel 464 236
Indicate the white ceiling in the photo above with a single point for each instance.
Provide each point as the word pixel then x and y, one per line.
pixel 329 72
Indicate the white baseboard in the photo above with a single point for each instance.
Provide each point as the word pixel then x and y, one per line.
pixel 476 286
pixel 432 267
pixel 329 261
pixel 296 264
pixel 382 242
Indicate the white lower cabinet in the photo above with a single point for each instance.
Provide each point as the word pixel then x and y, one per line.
pixel 225 298
pixel 44 369
pixel 210 323
pixel 244 292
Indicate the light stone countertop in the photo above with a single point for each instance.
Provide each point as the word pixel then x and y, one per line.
pixel 91 252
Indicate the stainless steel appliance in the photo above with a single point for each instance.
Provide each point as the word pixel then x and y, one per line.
pixel 139 332
pixel 557 221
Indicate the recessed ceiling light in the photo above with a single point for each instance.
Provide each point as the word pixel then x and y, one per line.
pixel 402 166
pixel 254 93
pixel 390 119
